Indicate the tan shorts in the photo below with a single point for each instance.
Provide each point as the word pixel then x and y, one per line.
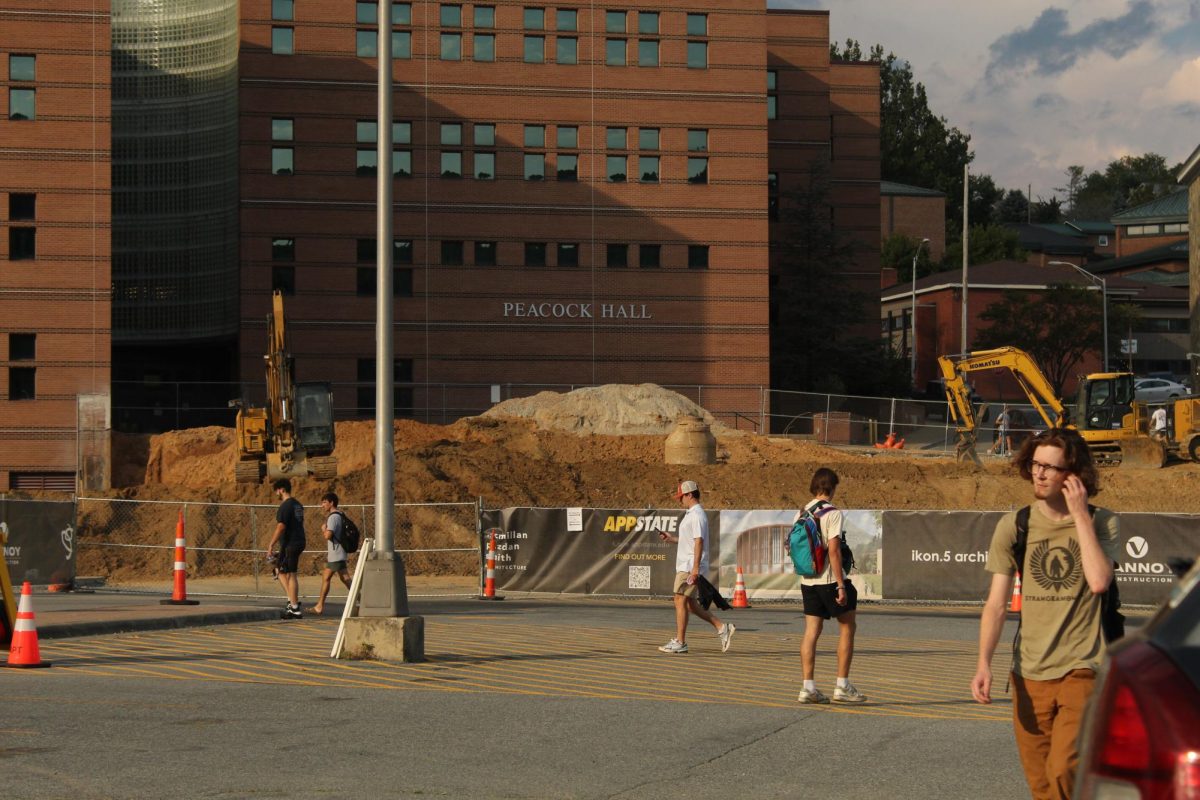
pixel 681 585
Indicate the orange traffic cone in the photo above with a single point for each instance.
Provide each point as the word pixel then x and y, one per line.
pixel 489 584
pixel 887 443
pixel 1015 603
pixel 24 651
pixel 740 600
pixel 179 596
pixel 898 444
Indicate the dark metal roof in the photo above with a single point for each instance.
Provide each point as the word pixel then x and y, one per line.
pixel 1092 227
pixel 890 188
pixel 1175 251
pixel 1172 207
pixel 1017 275
pixel 1043 239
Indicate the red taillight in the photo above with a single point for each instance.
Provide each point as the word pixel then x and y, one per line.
pixel 1146 735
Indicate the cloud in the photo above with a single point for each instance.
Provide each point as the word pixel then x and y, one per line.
pixel 1185 39
pixel 1049 101
pixel 1047 47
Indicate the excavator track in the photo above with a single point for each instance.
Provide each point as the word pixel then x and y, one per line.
pixel 323 468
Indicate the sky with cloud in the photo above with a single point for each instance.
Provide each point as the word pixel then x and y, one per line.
pixel 1040 87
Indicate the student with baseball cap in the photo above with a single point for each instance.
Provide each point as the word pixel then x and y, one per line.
pixel 691 561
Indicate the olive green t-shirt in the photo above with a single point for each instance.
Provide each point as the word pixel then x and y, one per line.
pixel 1060 617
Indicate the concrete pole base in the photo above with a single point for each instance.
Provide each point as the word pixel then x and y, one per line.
pixel 385 639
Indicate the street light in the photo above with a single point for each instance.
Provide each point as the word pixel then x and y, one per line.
pixel 1104 298
pixel 913 344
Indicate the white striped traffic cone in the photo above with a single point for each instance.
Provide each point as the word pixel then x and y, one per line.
pixel 740 599
pixel 24 652
pixel 179 595
pixel 489 584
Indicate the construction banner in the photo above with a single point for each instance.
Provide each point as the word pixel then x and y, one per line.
pixel 587 551
pixel 41 540
pixel 1148 543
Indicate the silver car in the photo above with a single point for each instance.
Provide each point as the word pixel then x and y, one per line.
pixel 1157 390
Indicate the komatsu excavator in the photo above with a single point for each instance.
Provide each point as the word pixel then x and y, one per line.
pixel 293 435
pixel 1115 427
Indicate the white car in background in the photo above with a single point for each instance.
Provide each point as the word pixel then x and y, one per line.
pixel 1157 390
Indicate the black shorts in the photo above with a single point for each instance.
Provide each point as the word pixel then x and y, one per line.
pixel 821 600
pixel 289 557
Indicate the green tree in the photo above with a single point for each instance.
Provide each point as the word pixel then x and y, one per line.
pixel 897 252
pixel 1129 181
pixel 1013 208
pixel 824 334
pixel 1057 328
pixel 1046 211
pixel 987 243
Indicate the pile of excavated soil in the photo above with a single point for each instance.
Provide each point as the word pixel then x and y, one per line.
pixel 546 452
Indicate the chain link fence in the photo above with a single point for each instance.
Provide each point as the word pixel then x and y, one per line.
pixel 132 542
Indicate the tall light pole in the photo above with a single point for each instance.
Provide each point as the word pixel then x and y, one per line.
pixel 913 343
pixel 1103 294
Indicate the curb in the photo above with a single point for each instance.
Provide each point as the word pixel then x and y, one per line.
pixel 72 630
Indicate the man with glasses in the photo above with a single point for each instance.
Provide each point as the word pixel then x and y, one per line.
pixel 1067 565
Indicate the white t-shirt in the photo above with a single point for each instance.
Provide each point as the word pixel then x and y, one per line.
pixel 693 525
pixel 1158 420
pixel 831 526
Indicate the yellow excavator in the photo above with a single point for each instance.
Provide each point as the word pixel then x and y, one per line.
pixel 293 435
pixel 1115 427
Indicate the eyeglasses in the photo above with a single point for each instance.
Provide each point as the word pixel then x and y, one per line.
pixel 1050 469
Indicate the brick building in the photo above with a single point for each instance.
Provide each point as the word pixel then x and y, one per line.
pixel 54 243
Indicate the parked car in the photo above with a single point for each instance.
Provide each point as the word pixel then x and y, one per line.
pixel 1141 733
pixel 1157 390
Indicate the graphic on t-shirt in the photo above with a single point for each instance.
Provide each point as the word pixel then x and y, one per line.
pixel 1055 568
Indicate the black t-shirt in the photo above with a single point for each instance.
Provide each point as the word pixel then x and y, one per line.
pixel 291 514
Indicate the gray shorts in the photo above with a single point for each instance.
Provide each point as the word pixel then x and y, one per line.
pixel 335 566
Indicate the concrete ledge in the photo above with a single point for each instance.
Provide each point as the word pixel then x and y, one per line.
pixel 385 639
pixel 69 630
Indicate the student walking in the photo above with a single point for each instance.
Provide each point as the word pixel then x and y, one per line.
pixel 336 558
pixel 1067 564
pixel 289 537
pixel 691 561
pixel 829 595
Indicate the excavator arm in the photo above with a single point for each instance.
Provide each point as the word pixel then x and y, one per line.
pixel 281 382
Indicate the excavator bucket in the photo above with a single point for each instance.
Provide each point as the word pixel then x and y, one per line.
pixel 965 449
pixel 1142 453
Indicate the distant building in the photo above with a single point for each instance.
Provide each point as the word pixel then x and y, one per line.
pixel 1189 176
pixel 915 212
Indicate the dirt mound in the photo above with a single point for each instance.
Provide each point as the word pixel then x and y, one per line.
pixel 612 410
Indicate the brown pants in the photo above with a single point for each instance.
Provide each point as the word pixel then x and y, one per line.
pixel 1046 717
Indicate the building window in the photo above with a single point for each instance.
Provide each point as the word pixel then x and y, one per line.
pixel 402 13
pixel 22 104
pixel 647 138
pixel 1102 241
pixel 402 396
pixel 773 195
pixel 365 251
pixel 22 346
pixel 617 168
pixel 282 161
pixel 772 107
pixel 614 52
pixel 22 244
pixel 451 47
pixel 614 21
pixel 22 383
pixel 22 68
pixel 366 13
pixel 772 76
pixel 535 166
pixel 283 279
pixel 697 170
pixel 366 282
pixel 617 256
pixel 22 206
pixel 283 10
pixel 647 22
pixel 567 137
pixel 401 133
pixel 650 256
pixel 697 140
pixel 283 248
pixel 452 252
pixel 485 16
pixel 697 256
pixel 535 49
pixel 568 254
pixel 535 254
pixel 367 163
pixel 566 50
pixel 402 163
pixel 648 53
pixel 484 47
pixel 282 41
pixel 366 44
pixel 697 24
pixel 485 134
pixel 568 167
pixel 401 44
pixel 485 254
pixel 282 130
pixel 451 16
pixel 567 19
pixel 614 138
pixel 535 135
pixel 452 163
pixel 402 284
pixel 451 133
pixel 648 169
pixel 366 130
pixel 535 19
pixel 485 166
pixel 697 55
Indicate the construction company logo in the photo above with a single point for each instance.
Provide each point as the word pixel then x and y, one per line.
pixel 1137 547
pixel 1055 568
pixel 67 537
pixel 12 552
pixel 645 523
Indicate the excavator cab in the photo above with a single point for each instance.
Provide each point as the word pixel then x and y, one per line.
pixel 314 404
pixel 1103 401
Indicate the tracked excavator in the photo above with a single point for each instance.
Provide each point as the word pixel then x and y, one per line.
pixel 1115 427
pixel 293 435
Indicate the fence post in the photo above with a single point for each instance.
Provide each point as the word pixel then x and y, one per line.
pixel 254 548
pixel 479 541
pixel 828 411
pixel 762 410
pixel 892 421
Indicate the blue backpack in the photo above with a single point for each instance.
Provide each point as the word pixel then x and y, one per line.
pixel 805 543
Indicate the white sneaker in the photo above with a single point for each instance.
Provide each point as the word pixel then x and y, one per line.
pixel 674 646
pixel 848 695
pixel 726 635
pixel 814 696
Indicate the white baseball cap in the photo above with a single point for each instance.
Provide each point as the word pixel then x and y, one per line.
pixel 687 487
